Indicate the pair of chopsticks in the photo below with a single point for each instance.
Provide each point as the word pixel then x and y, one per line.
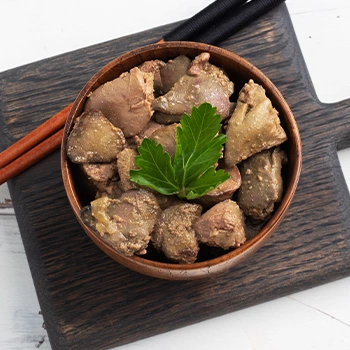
pixel 212 25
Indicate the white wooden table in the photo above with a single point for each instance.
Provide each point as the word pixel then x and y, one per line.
pixel 314 319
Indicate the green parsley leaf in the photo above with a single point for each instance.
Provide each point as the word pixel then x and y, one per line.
pixel 198 148
pixel 156 171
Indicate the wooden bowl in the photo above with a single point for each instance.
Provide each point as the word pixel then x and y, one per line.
pixel 240 72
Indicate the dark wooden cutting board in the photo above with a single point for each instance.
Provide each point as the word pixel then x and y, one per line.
pixel 88 300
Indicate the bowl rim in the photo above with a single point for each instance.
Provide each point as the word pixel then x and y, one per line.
pixel 250 245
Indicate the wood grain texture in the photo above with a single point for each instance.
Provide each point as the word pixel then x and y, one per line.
pixel 89 301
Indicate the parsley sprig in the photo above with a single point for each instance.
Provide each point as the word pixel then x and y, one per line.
pixel 191 174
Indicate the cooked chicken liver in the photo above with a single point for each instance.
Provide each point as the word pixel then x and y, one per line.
pixel 172 71
pixel 203 82
pixel 126 223
pixel 135 141
pixel 101 176
pixel 100 172
pixel 125 101
pixel 166 136
pixel 254 125
pixel 174 233
pixel 154 67
pixel 151 127
pixel 125 163
pixel 262 183
pixel 222 226
pixel 110 189
pixel 94 139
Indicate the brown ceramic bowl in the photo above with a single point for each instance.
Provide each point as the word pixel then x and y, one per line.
pixel 240 72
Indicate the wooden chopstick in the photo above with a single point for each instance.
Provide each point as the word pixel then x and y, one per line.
pixel 33 147
pixel 35 137
pixel 48 137
pixel 235 20
pixel 203 20
pixel 32 156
